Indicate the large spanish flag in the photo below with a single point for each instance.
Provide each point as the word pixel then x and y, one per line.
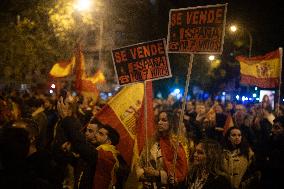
pixel 262 71
pixel 62 68
pixel 125 113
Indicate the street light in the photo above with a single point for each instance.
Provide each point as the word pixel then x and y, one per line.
pixel 234 28
pixel 82 5
pixel 91 5
pixel 211 57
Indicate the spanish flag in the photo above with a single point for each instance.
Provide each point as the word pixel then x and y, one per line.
pixel 262 71
pixel 125 113
pixel 86 85
pixel 62 68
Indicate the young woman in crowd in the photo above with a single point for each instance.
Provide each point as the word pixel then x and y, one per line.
pixel 205 170
pixel 155 167
pixel 238 160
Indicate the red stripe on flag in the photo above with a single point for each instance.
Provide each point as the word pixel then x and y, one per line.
pixel 126 143
pixel 260 82
pixel 268 56
pixel 140 128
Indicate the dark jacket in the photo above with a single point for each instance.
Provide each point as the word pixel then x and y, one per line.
pixel 272 172
pixel 212 182
pixel 86 165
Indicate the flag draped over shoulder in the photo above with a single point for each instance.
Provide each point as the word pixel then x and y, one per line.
pixel 86 85
pixel 262 71
pixel 121 113
pixel 63 68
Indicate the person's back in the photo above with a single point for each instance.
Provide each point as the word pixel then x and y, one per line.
pixel 274 157
pixel 39 163
pixel 122 173
pixel 14 147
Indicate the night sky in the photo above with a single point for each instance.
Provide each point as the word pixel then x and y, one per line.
pixel 264 19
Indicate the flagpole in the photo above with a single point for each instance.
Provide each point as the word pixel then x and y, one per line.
pixel 145 122
pixel 280 78
pixel 182 110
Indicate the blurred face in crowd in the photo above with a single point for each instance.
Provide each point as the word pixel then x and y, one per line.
pixel 200 109
pixel 102 136
pixel 248 121
pixel 229 106
pixel 218 109
pixel 91 133
pixel 189 106
pixel 235 137
pixel 199 155
pixel 277 129
pixel 163 122
pixel 240 108
pixel 47 104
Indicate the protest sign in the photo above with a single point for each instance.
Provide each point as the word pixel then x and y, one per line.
pixel 198 30
pixel 141 62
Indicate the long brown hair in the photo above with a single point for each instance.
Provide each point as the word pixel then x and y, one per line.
pixel 213 152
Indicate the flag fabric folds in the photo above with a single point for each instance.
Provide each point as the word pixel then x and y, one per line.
pixel 63 68
pixel 86 85
pixel 125 113
pixel 262 71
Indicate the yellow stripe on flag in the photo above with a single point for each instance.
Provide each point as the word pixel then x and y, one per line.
pixel 62 69
pixel 125 105
pixel 262 68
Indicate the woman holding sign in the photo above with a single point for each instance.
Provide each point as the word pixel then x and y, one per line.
pixel 157 170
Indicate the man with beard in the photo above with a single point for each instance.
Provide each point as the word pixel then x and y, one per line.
pixel 156 167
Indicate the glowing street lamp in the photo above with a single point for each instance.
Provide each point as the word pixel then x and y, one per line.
pixel 234 28
pixel 82 5
pixel 211 57
pixel 90 5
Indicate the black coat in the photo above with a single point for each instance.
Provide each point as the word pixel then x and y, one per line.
pixel 86 165
pixel 273 168
pixel 213 182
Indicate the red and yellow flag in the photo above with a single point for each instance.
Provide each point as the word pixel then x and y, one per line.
pixel 121 113
pixel 63 68
pixel 86 85
pixel 262 71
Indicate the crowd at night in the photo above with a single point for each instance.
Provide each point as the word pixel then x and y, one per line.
pixel 152 94
pixel 54 142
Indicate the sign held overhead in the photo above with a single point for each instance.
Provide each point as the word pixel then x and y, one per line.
pixel 198 30
pixel 141 62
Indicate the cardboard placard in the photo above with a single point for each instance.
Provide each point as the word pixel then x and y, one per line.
pixel 141 62
pixel 198 30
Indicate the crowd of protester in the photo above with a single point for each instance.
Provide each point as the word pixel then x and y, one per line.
pixel 56 142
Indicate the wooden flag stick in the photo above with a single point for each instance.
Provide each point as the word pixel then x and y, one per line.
pixel 280 79
pixel 145 122
pixel 182 110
